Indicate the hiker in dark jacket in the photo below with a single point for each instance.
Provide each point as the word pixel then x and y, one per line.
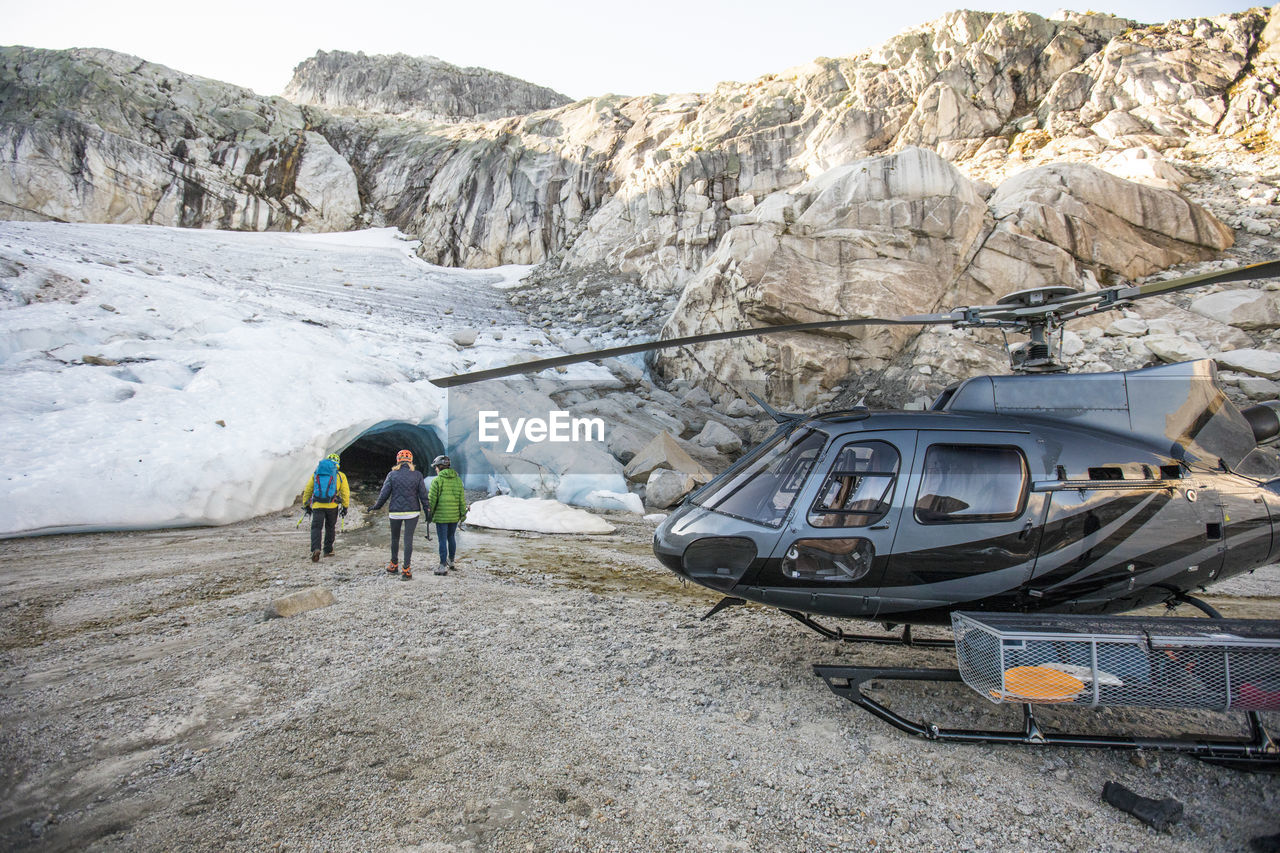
pixel 407 491
pixel 447 505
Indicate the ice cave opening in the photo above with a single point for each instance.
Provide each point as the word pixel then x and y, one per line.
pixel 367 460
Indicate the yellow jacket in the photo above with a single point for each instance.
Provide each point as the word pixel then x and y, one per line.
pixel 344 493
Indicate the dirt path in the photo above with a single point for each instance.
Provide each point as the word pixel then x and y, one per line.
pixel 554 693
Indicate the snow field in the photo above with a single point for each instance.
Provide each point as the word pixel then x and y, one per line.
pixel 239 360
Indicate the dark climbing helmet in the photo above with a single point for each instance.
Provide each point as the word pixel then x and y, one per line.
pixel 441 462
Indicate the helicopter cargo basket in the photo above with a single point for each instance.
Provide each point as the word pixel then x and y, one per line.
pixel 1220 665
pixel 1212 664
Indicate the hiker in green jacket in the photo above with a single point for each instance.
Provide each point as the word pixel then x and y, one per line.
pixel 448 505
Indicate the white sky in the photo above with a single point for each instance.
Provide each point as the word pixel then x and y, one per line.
pixel 578 47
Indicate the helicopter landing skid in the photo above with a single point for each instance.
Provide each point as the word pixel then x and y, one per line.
pixel 838 634
pixel 1257 752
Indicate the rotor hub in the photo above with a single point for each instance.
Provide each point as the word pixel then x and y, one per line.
pixel 1035 296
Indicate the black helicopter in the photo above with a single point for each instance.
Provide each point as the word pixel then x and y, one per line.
pixel 1043 491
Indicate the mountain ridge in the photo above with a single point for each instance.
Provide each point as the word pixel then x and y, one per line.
pixel 626 202
pixel 424 87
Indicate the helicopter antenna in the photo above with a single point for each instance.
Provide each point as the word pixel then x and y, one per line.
pixel 780 417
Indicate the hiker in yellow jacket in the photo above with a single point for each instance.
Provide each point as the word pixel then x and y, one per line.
pixel 326 491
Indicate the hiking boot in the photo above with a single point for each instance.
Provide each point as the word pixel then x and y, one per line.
pixel 442 569
pixel 451 564
pixel 328 553
pixel 315 556
pixel 407 574
pixel 393 567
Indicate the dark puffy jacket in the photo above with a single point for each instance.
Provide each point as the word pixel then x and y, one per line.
pixel 407 490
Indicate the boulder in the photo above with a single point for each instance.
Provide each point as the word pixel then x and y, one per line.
pixel 665 487
pixel 1143 165
pixel 1244 309
pixel 1257 388
pixel 464 337
pixel 719 436
pixel 1255 362
pixel 625 372
pixel 1100 219
pixel 311 598
pixel 664 452
pixel 624 442
pixel 632 421
pixel 1128 327
pixel 697 397
pixel 1165 318
pixel 1172 348
pixel 708 457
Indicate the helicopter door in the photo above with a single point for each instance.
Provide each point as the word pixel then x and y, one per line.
pixel 837 544
pixel 971 525
pixel 1246 529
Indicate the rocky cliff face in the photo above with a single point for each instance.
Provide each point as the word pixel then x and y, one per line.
pixel 97 136
pixel 646 187
pixel 415 86
pixel 961 160
pixel 907 233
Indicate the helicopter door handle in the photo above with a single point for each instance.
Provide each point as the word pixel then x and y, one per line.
pixel 1026 529
pixel 884 526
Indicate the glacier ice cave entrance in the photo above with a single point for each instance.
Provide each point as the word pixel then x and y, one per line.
pixel 367 460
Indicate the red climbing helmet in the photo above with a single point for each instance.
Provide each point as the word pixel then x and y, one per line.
pixel 404 456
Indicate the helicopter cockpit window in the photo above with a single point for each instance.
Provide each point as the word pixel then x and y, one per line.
pixel 971 483
pixel 859 488
pixel 766 487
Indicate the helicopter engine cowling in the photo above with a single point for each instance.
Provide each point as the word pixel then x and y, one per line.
pixel 1264 419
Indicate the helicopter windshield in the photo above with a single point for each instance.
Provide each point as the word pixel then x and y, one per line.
pixel 767 484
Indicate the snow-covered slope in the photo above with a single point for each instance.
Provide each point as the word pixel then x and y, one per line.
pixel 227 364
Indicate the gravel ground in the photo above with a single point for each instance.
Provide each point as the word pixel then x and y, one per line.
pixel 553 693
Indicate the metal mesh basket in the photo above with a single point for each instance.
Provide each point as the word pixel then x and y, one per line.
pixel 1162 662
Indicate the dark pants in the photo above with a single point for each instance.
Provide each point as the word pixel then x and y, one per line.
pixel 409 525
pixel 448 544
pixel 326 520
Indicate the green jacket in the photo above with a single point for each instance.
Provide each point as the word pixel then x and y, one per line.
pixel 447 498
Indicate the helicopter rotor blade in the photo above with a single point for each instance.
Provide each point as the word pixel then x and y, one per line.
pixel 669 343
pixel 1065 307
pixel 1266 269
pixel 1077 304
